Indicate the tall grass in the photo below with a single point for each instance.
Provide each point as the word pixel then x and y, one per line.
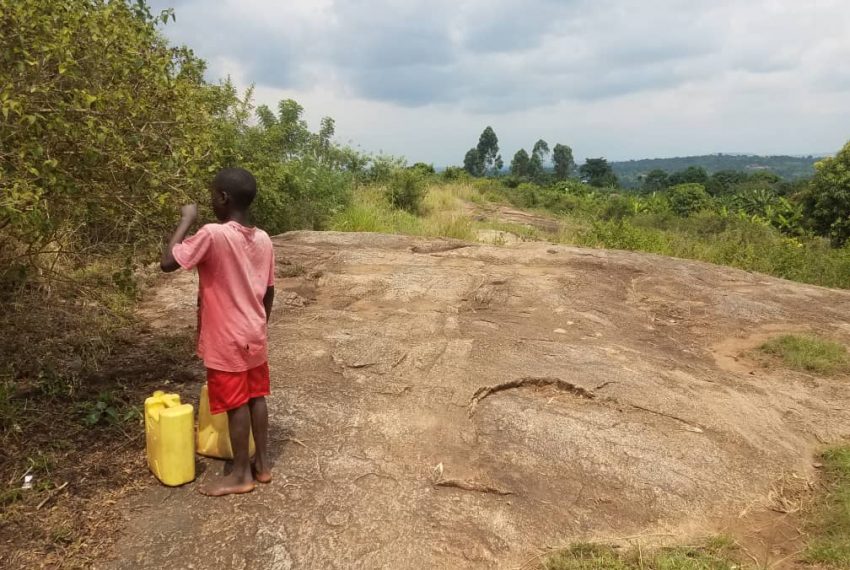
pixel 829 521
pixel 441 216
pixel 607 221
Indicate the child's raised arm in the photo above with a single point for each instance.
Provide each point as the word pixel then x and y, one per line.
pixel 167 263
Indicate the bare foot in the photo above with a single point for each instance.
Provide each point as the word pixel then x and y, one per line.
pixel 262 474
pixel 227 485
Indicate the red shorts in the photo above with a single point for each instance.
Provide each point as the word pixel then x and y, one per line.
pixel 230 390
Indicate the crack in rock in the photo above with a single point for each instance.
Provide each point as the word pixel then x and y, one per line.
pixel 565 386
pixel 438 248
pixel 562 385
pixel 471 486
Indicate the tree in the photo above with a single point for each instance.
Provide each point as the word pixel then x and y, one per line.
pixel 562 156
pixel 304 177
pixel 541 150
pixel 326 133
pixel 488 151
pixel 827 201
pixel 690 175
pixel 724 181
pixel 655 180
pixel 687 199
pixel 597 172
pixel 520 164
pixel 538 156
pixel 104 130
pixel 472 163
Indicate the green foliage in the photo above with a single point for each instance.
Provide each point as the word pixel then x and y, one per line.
pixel 382 167
pixel 106 409
pixel 690 175
pixel 562 157
pixel 539 155
pixel 453 173
pixel 520 164
pixel 655 180
pixel 786 167
pixel 597 172
pixel 585 556
pixel 111 129
pixel 830 520
pixel 827 202
pixel 809 353
pixel 304 179
pixel 370 211
pixel 406 190
pixel 423 169
pixel 490 161
pixel 686 199
pixel 473 163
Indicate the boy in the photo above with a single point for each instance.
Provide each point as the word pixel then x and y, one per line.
pixel 235 264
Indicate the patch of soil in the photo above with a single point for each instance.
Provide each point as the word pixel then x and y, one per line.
pixel 83 473
pixel 464 407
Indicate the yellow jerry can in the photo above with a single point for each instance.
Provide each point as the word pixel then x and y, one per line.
pixel 169 427
pixel 213 432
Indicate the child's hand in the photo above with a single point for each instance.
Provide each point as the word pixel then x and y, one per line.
pixel 189 212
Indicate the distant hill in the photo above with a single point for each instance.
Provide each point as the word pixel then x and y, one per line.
pixel 788 167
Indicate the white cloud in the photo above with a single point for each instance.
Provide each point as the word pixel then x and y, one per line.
pixel 621 79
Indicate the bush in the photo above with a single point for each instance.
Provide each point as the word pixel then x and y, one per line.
pixel 454 173
pixel 406 190
pixel 574 187
pixel 618 207
pixel 299 195
pixel 686 199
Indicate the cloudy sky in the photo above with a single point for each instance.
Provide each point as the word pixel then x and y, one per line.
pixel 616 78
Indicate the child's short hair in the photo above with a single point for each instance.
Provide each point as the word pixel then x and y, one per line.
pixel 239 185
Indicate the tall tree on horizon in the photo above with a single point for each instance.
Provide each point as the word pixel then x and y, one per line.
pixel 520 164
pixel 562 156
pixel 472 163
pixel 539 154
pixel 488 151
pixel 598 173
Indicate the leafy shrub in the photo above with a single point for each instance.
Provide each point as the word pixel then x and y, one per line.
pixel 406 190
pixel 383 168
pixel 454 173
pixel 686 199
pixel 107 409
pixel 827 200
pixel 299 195
pixel 619 207
pixel 423 169
pixel 574 187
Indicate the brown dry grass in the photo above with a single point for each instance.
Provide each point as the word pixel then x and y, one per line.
pixel 80 472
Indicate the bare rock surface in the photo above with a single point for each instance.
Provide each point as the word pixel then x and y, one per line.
pixel 438 404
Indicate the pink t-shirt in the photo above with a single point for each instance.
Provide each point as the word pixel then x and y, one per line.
pixel 235 266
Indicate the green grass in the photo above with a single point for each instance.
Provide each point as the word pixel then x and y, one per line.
pixel 718 553
pixel 809 353
pixel 441 217
pixel 830 520
pixel 586 221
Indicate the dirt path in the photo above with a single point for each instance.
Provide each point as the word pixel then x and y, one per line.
pixel 446 405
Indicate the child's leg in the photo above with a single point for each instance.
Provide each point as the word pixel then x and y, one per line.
pixel 260 426
pixel 259 386
pixel 240 479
